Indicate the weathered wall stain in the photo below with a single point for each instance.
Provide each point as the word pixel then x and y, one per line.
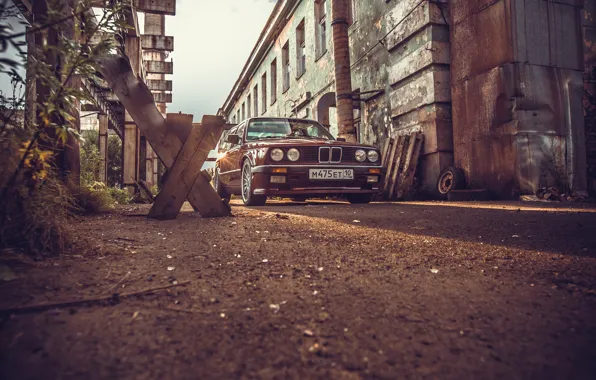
pixel 516 93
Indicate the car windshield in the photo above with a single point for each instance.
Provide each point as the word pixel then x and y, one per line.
pixel 260 129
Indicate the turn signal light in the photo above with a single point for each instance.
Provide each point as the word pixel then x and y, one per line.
pixel 280 170
pixel 374 171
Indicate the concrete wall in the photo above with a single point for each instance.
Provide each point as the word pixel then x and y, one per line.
pixel 412 69
pixel 589 34
pixel 517 86
pixel 318 78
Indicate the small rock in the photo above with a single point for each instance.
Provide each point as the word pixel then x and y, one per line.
pixel 309 333
pixel 274 307
pixel 171 268
pixel 434 270
pixel 356 221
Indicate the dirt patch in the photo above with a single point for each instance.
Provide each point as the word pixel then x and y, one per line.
pixel 318 290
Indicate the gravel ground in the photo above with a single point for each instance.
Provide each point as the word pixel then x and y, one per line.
pixel 320 290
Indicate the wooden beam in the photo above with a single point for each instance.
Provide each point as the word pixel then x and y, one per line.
pixel 159 67
pixel 153 42
pixel 159 85
pixel 183 174
pixel 166 140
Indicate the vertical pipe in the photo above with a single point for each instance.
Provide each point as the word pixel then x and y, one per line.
pixel 343 75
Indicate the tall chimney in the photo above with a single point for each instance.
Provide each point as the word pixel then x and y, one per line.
pixel 343 75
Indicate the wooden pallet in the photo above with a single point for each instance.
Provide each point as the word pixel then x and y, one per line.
pixel 400 159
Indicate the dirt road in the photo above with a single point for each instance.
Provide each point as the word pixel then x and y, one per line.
pixel 324 290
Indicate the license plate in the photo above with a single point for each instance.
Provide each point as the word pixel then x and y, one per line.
pixel 331 174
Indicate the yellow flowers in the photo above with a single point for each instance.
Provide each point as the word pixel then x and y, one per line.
pixel 37 163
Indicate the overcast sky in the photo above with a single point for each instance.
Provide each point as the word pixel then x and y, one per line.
pixel 212 41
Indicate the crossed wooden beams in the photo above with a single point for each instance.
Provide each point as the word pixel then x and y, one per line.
pixel 182 148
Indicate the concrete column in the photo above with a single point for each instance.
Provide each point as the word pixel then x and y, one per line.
pixel 103 148
pixel 132 136
pixel 343 74
pixel 130 154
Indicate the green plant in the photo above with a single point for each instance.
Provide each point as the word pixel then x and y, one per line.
pixel 38 193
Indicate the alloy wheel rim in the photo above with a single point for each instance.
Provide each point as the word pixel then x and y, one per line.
pixel 246 178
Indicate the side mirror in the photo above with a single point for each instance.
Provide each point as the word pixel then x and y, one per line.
pixel 233 139
pixel 341 139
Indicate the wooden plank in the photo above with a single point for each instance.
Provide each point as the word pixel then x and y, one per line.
pixel 183 176
pixel 390 162
pixel 409 151
pixel 398 161
pixel 407 177
pixel 386 147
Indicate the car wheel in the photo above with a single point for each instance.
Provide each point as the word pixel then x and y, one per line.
pixel 225 197
pixel 248 197
pixel 450 179
pixel 360 198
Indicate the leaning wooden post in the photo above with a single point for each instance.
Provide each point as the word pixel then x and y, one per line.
pixel 182 148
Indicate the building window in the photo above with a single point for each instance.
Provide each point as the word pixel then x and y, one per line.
pixel 234 119
pixel 285 56
pixel 321 27
pixel 244 111
pixel 274 81
pixel 256 99
pixel 300 50
pixel 249 102
pixel 264 92
pixel 238 116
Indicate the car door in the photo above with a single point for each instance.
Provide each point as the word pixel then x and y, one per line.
pixel 235 158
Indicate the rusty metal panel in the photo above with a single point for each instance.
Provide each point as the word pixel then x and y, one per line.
pixel 537 128
pixel 159 67
pixel 155 42
pixel 486 31
pixel 546 33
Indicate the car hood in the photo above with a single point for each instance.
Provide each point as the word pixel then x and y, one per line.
pixel 285 142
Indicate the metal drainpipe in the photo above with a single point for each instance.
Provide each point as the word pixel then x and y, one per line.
pixel 343 75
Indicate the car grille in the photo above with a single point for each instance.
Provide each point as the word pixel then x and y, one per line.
pixel 328 154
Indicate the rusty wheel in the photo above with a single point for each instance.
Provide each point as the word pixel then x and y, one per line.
pixel 450 179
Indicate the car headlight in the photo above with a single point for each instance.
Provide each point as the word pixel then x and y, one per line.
pixel 277 154
pixel 373 156
pixel 360 155
pixel 293 155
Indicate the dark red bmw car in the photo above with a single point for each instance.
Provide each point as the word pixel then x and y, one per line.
pixel 294 158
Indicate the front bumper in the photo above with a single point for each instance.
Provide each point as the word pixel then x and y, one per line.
pixel 298 182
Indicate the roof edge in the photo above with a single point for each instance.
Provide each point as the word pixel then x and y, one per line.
pixel 261 47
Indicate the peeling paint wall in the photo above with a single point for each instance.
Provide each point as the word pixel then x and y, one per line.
pixel 589 34
pixel 517 89
pixel 318 78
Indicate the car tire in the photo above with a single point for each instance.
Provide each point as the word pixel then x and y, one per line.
pixel 225 197
pixel 248 198
pixel 360 198
pixel 450 179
